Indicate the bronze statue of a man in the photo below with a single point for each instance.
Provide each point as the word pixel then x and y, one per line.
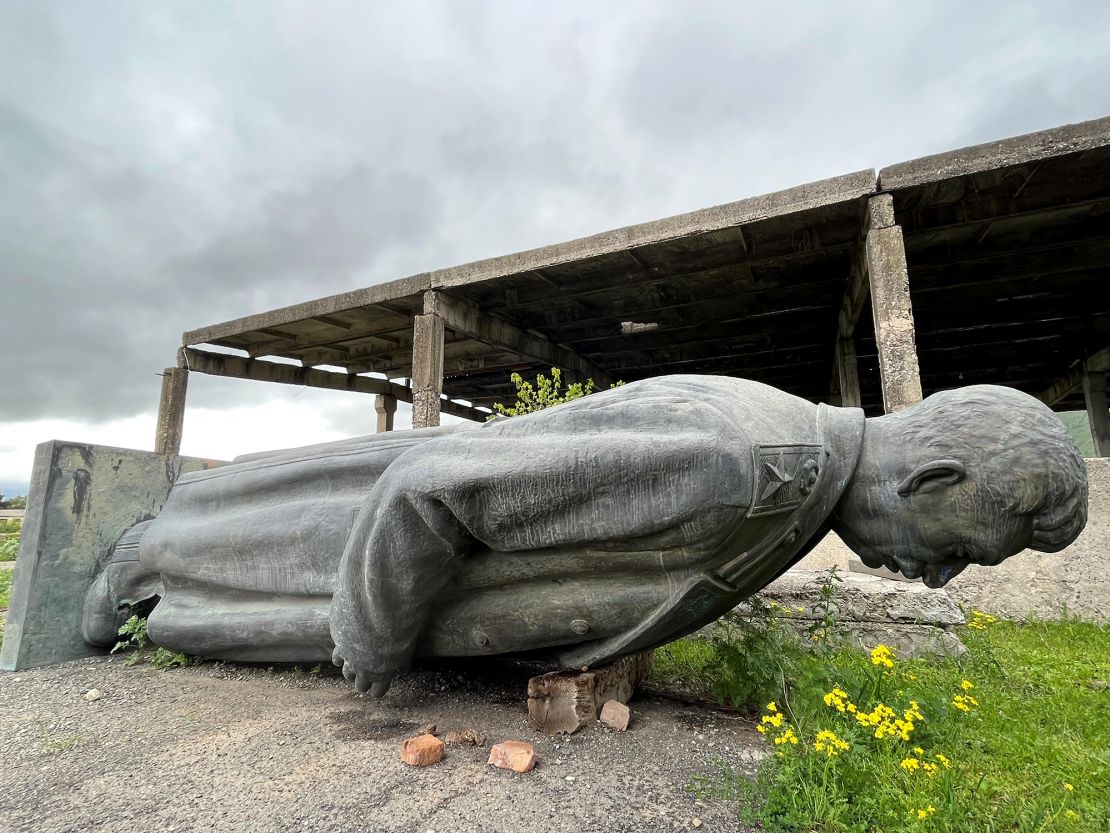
pixel 602 527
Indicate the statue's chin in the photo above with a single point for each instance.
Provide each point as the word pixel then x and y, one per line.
pixel 933 574
pixel 938 575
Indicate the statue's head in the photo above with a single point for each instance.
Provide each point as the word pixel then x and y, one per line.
pixel 972 475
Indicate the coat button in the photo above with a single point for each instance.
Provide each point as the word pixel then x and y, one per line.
pixel 580 626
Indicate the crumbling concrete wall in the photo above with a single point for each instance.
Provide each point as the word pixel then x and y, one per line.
pixel 1075 581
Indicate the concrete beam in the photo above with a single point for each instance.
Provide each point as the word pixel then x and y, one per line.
pixel 1098 362
pixel 427 370
pixel 1098 411
pixel 847 366
pixel 277 346
pixel 466 319
pixel 386 407
pixel 237 367
pixel 171 411
pixel 855 296
pixel 890 306
pixel 361 359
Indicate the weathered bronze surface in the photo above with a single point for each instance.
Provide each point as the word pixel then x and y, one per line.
pixel 590 531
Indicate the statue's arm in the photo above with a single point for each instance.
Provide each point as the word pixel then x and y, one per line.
pixel 568 479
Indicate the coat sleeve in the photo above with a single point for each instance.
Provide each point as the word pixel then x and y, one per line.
pixel 646 473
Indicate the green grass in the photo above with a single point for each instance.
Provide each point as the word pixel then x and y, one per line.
pixel 1042 722
pixel 5 597
pixel 9 546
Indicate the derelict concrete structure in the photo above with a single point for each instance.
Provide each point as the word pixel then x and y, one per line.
pixel 983 265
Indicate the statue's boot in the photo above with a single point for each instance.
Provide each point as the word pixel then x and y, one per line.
pixel 122 589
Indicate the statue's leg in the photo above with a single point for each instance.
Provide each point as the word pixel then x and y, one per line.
pixel 124 587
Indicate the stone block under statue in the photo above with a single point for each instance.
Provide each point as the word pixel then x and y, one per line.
pixel 587 532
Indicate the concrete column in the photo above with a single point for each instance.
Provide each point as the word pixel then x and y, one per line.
pixel 427 370
pixel 386 406
pixel 847 367
pixel 1098 411
pixel 171 411
pixel 890 306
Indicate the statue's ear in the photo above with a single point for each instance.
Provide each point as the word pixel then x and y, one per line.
pixel 931 476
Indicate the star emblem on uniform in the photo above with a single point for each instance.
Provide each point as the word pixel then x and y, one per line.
pixel 777 477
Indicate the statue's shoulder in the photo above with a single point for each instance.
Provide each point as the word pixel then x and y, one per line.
pixel 765 413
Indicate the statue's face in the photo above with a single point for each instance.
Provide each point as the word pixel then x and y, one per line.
pixel 953 526
pixel 935 530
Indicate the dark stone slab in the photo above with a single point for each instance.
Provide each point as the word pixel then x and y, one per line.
pixel 82 500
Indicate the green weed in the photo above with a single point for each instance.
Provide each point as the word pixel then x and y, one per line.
pixel 165 659
pixel 49 743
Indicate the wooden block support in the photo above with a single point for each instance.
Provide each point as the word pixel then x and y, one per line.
pixel 427 370
pixel 847 366
pixel 564 702
pixel 890 304
pixel 1098 410
pixel 171 411
pixel 386 407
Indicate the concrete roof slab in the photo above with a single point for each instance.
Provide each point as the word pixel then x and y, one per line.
pixel 1019 150
pixel 838 190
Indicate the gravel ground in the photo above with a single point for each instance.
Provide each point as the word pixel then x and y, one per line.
pixel 230 747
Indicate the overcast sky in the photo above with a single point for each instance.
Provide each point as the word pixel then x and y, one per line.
pixel 169 165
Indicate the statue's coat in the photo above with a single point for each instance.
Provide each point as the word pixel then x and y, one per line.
pixel 603 526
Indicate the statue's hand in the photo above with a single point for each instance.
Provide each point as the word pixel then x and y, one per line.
pixel 377 683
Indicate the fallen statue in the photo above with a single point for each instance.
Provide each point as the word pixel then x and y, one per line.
pixel 599 528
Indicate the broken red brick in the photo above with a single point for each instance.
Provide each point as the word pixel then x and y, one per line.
pixel 615 715
pixel 513 754
pixel 422 750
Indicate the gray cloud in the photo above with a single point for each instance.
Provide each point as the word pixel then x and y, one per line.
pixel 168 166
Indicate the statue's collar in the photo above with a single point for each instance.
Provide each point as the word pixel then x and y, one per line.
pixel 841 431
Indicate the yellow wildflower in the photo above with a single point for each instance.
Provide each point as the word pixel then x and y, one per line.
pixel 1071 814
pixel 761 729
pixel 967 685
pixel 980 620
pixel 1068 787
pixel 917 750
pixel 911 764
pixel 881 655
pixel 801 609
pixel 930 769
pixel 964 702
pixel 924 814
pixel 827 742
pixel 944 762
pixel 787 736
pixel 837 699
pixel 771 707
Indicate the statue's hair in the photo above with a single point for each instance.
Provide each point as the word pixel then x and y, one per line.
pixel 1018 445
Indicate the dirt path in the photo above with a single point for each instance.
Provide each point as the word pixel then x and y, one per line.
pixel 237 748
